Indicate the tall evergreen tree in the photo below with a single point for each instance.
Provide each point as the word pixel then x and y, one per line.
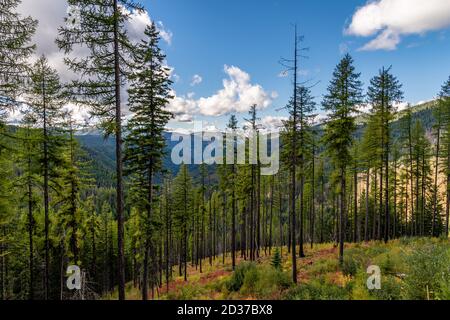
pixel 300 109
pixel 45 100
pixel 342 100
pixel 102 75
pixel 15 49
pixel 182 199
pixel 383 93
pixel 255 201
pixel 406 124
pixel 444 105
pixel 28 159
pixel 148 95
pixel 232 125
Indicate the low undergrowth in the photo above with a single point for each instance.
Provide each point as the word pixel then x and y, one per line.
pixel 412 269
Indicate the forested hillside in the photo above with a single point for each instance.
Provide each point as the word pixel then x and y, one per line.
pixel 351 191
pixel 101 149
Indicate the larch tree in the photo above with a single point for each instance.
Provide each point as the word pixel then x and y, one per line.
pixel 255 201
pixel 45 101
pixel 182 200
pixel 232 125
pixel 293 66
pixel 102 74
pixel 16 33
pixel 29 181
pixel 383 94
pixel 341 101
pixel 149 94
pixel 300 109
pixel 444 104
pixel 406 124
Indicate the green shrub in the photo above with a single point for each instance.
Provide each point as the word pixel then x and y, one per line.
pixel 350 265
pixel 324 266
pixel 390 289
pixel 187 292
pixel 276 259
pixel 264 282
pixel 428 272
pixel 318 290
pixel 251 278
pixel 237 279
pixel 390 262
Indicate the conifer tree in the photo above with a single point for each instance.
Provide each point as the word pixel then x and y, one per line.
pixel 406 124
pixel 182 199
pixel 15 49
pixel 102 76
pixel 276 259
pixel 28 160
pixel 255 201
pixel 45 102
pixel 444 105
pixel 383 93
pixel 232 125
pixel 342 99
pixel 144 144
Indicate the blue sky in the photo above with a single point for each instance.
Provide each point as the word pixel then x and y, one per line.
pixel 253 35
pixel 233 48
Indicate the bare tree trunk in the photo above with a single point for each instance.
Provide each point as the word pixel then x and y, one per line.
pixel 258 209
pixel 395 201
pixel 271 214
pixel 341 218
pixel 322 206
pixel 313 204
pixel 447 209
pixel 119 164
pixel 355 205
pixel 436 172
pixel 148 232
pixel 386 190
pixel 413 231
pixel 366 222
pixel 166 253
pixel 30 231
pixel 375 196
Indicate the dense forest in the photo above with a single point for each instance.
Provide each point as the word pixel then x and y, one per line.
pixel 116 207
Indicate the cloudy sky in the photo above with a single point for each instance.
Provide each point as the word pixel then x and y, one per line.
pixel 224 54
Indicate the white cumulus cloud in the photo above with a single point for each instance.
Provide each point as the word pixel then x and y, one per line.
pixel 237 95
pixel 388 20
pixel 51 14
pixel 196 80
pixel 273 123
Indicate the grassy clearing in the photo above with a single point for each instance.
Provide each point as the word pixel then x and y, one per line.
pixel 417 269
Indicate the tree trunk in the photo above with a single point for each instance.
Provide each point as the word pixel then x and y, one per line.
pixel 148 239
pixel 366 221
pixel 233 223
pixel 386 190
pixel 355 205
pixel 30 231
pixel 436 172
pixel 341 218
pixel 271 214
pixel 447 209
pixel 313 204
pixel 119 164
pixel 46 197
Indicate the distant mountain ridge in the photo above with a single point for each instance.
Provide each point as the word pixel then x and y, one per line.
pixel 102 150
